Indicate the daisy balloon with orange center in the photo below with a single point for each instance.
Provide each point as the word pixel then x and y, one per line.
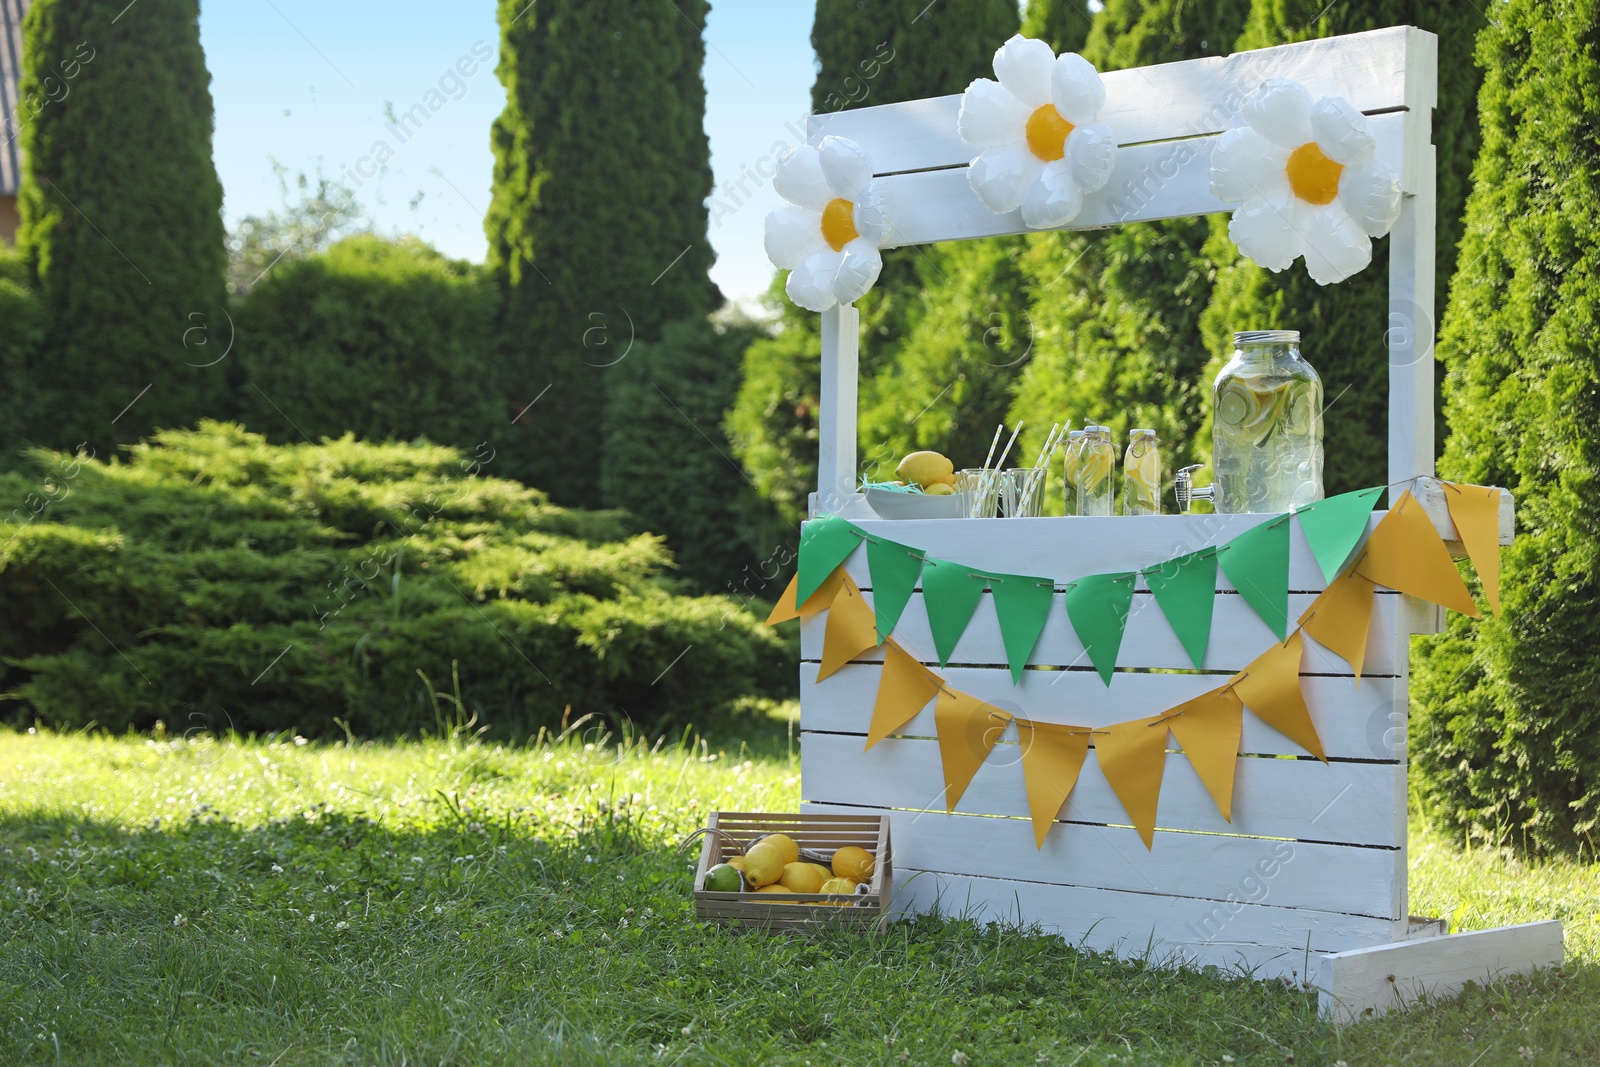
pixel 1043 144
pixel 827 235
pixel 1308 181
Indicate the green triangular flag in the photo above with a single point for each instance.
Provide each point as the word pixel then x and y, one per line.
pixel 1333 526
pixel 894 569
pixel 1257 563
pixel 825 542
pixel 1022 604
pixel 951 594
pixel 1186 589
pixel 1098 606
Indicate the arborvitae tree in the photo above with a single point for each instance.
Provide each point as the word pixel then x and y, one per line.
pixel 1344 327
pixel 121 221
pixel 1507 738
pixel 1116 313
pixel 867 54
pixel 20 325
pixel 597 227
pixel 1062 24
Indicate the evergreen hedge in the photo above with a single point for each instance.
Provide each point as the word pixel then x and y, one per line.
pixel 1506 731
pixel 121 221
pixel 211 579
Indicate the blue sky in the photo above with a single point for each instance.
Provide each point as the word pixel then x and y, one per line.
pixel 309 84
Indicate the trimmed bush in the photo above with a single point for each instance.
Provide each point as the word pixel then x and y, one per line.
pixel 215 580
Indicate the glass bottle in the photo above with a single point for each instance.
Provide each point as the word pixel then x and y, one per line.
pixel 1097 461
pixel 1074 448
pixel 1266 438
pixel 1141 474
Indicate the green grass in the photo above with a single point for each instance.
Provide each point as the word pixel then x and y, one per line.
pixel 451 901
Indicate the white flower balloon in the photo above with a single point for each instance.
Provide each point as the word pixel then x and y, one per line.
pixel 1043 146
pixel 1309 186
pixel 827 235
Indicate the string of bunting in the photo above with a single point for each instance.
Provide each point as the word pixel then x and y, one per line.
pixel 1404 553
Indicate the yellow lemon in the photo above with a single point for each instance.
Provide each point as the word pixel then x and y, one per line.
pixel 820 869
pixel 775 887
pixel 763 864
pixel 801 878
pixel 785 845
pixel 736 862
pixel 940 489
pixel 841 886
pixel 926 468
pixel 854 863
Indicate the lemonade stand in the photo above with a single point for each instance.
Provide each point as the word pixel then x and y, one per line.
pixel 1173 737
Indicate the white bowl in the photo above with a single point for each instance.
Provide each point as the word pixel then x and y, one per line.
pixel 892 505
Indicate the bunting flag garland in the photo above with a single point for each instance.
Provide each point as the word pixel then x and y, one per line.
pixel 850 631
pixel 1133 756
pixel 1333 527
pixel 1406 553
pixel 1257 563
pixel 951 593
pixel 1052 757
pixel 968 729
pixel 1339 618
pixel 894 569
pixel 1208 730
pixel 1270 687
pixel 1098 606
pixel 1185 588
pixel 1022 605
pixel 905 689
pixel 1475 509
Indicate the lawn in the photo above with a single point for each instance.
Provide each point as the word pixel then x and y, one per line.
pixel 190 900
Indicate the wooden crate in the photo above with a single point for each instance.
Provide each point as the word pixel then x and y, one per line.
pixel 732 832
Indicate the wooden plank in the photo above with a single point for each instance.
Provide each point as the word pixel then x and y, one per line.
pixel 1238 636
pixel 1411 328
pixel 1332 878
pixel 1185 99
pixel 836 419
pixel 1366 722
pixel 1168 179
pixel 1363 982
pixel 1270 941
pixel 1430 493
pixel 1340 803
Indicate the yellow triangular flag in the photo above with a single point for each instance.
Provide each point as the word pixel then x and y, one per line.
pixel 1340 617
pixel 852 629
pixel 1406 553
pixel 903 691
pixel 1475 509
pixel 1208 729
pixel 1052 756
pixel 1270 687
pixel 968 729
pixel 785 609
pixel 1133 756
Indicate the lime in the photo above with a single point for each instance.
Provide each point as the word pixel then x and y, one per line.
pixel 724 879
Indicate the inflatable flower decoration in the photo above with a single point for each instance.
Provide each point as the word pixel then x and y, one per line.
pixel 827 235
pixel 1043 146
pixel 1308 180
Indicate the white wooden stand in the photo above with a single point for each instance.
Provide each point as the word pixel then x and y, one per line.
pixel 1308 881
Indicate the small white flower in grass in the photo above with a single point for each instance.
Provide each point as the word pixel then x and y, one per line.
pixel 960 1058
pixel 828 234
pixel 1305 174
pixel 179 920
pixel 341 925
pixel 1043 146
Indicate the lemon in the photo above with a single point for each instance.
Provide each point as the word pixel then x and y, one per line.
pixel 785 845
pixel 839 886
pixel 801 878
pixel 940 489
pixel 820 869
pixel 1094 466
pixel 926 468
pixel 775 887
pixel 724 879
pixel 736 862
pixel 854 863
pixel 763 864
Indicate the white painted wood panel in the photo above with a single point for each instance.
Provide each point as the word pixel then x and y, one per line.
pixel 1353 984
pixel 1186 99
pixel 1263 939
pixel 836 421
pixel 1343 803
pixel 1169 179
pixel 1332 878
pixel 1238 636
pixel 1353 723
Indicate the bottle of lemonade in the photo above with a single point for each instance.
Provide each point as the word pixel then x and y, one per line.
pixel 1141 474
pixel 1098 459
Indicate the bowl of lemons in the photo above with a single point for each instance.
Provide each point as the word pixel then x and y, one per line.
pixel 926 489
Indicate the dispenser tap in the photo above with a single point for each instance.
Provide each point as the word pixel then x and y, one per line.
pixel 1186 491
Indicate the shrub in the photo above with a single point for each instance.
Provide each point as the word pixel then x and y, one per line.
pixel 215 580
